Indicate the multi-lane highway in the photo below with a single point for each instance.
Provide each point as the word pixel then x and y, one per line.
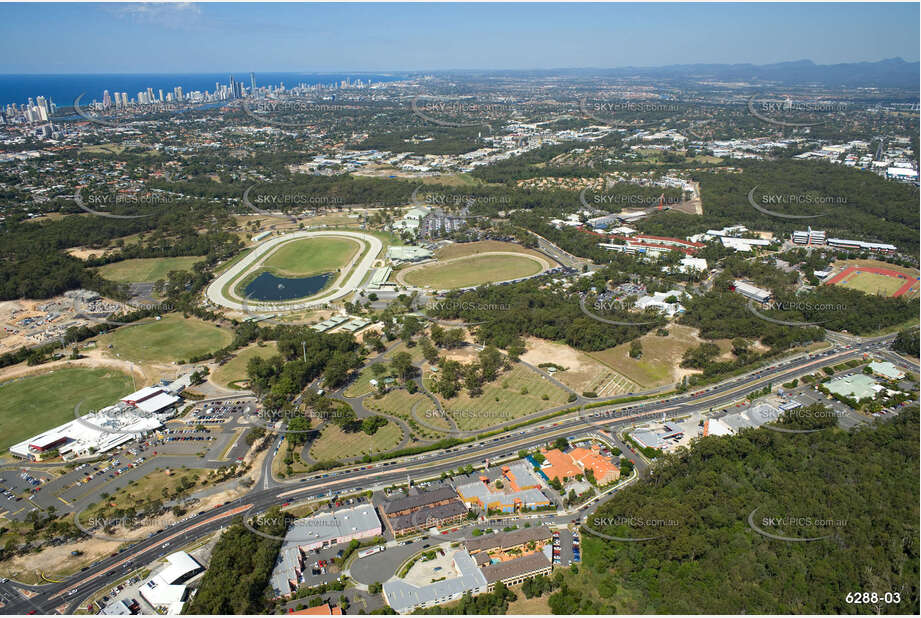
pixel 59 596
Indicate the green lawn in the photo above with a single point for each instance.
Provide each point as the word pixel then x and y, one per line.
pixel 146 269
pixel 172 338
pixel 235 368
pixel 474 270
pixel 503 400
pixel 34 404
pixel 334 443
pixel 872 283
pixel 311 256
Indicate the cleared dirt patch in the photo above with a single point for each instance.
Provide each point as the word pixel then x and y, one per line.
pixel 583 373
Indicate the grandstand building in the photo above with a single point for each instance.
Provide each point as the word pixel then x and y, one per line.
pixel 133 417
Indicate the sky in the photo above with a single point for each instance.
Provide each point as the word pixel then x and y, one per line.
pixel 214 37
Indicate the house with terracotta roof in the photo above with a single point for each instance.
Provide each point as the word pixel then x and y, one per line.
pixel 559 465
pixel 319 610
pixel 564 466
pixel 604 470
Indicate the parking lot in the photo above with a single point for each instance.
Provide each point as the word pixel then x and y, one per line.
pixel 173 446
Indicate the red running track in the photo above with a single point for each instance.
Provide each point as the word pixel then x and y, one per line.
pixel 911 281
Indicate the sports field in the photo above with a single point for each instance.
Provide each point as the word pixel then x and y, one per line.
pixel 146 270
pixel 877 280
pixel 311 256
pixel 172 338
pixel 473 270
pixel 34 404
pixel 235 368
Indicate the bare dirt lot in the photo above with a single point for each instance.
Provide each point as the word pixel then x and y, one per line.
pixel 582 372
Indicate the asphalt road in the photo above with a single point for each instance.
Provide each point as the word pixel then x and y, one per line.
pixel 55 596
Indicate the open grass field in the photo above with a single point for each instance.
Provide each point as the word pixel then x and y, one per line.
pixel 172 338
pixel 34 404
pixel 463 249
pixel 873 283
pixel 235 368
pixel 311 256
pixel 146 269
pixel 515 393
pixel 398 402
pixel 661 356
pixel 474 270
pixel 334 443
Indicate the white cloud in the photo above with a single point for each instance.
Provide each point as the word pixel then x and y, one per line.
pixel 166 14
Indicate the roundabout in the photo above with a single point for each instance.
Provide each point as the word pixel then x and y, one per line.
pixel 224 290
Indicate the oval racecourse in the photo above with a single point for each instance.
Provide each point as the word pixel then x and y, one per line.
pixel 473 270
pixel 223 290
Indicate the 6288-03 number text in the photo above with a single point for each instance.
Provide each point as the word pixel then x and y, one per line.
pixel 872 597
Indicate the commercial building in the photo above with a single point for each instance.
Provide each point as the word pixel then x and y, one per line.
pixel 887 370
pixel 731 424
pixel 400 254
pixel 563 466
pixel 657 300
pixel 316 532
pixel 404 596
pixel 602 468
pixel 167 590
pixel 151 399
pixel 809 237
pixel 422 510
pixel 90 434
pixel 858 245
pixel 509 557
pixel 855 386
pixel 515 571
pixel 749 291
pixel 520 492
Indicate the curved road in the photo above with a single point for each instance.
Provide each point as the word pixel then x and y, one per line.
pixel 55 596
pixel 358 272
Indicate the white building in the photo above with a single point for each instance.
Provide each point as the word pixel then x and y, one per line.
pixel 749 291
pixel 166 590
pixel 90 434
pixel 658 300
